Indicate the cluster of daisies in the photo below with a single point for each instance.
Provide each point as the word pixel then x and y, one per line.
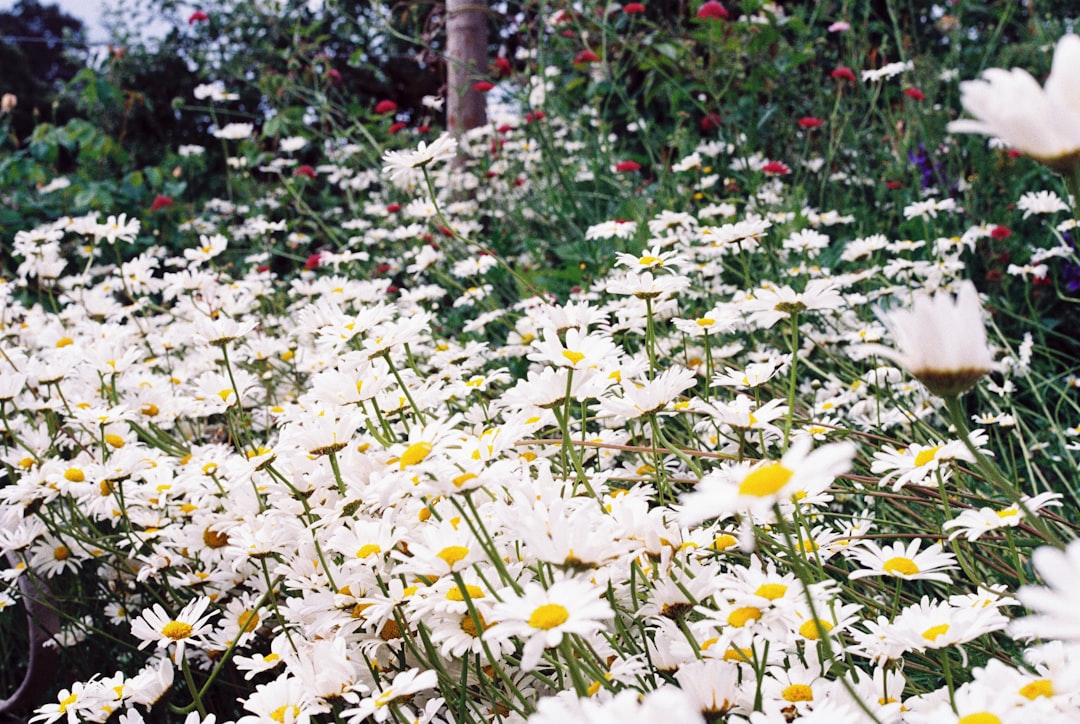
pixel 711 485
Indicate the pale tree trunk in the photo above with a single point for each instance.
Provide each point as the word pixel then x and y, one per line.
pixel 467 63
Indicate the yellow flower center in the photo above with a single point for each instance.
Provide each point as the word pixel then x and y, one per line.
pixel 279 714
pixel 798 692
pixel 61 553
pixel 548 616
pixel 926 456
pixel 453 554
pixel 812 629
pixel 766 480
pixel 932 633
pixel 456 594
pixel 463 478
pixel 469 626
pixel 74 475
pixel 982 717
pixel 1037 688
pixel 900 566
pixel 573 356
pixel 742 616
pixel 176 630
pixel 248 620
pixel 114 440
pixel 64 342
pixel 66 702
pixel 771 591
pixel 724 541
pixel 214 539
pixel 705 322
pixel 414 454
pixel 1008 512
pixel 368 550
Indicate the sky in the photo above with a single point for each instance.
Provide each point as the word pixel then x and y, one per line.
pixel 90 12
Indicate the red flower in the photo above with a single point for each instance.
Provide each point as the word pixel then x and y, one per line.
pixel 622 166
pixel 633 8
pixel 395 127
pixel 160 202
pixel 993 276
pixel 810 122
pixel 893 185
pixel 1043 281
pixel 423 129
pixel 712 10
pixel 503 67
pixel 312 261
pixel 915 94
pixel 776 167
pixel 483 86
pixel 711 122
pixel 1000 232
pixel 305 170
pixel 334 76
pixel 198 17
pixel 504 128
pixel 1013 153
pixel 535 116
pixel 586 56
pixel 385 107
pixel 842 72
pixel 393 208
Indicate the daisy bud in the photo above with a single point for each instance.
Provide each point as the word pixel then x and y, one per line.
pixel 941 341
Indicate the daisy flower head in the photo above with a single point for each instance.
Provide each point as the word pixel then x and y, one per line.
pixel 974 522
pixel 1055 604
pixel 941 341
pixel 401 165
pixel 742 488
pixel 914 464
pixel 1043 123
pixel 903 561
pixel 541 617
pixel 156 626
pixel 393 700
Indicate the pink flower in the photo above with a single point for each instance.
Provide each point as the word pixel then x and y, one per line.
pixel 842 72
pixel 776 167
pixel 711 122
pixel 712 10
pixel 839 26
pixel 305 170
pixel 334 76
pixel 160 202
